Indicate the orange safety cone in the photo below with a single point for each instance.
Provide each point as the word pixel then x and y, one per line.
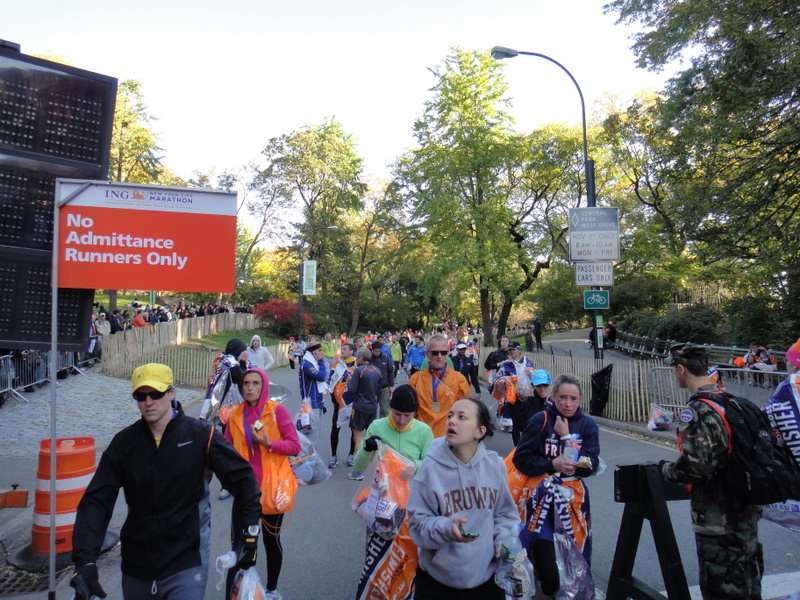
pixel 76 463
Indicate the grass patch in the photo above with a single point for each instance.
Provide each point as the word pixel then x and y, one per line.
pixel 124 298
pixel 218 341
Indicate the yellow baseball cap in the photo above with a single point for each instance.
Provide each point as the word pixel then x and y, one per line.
pixel 154 375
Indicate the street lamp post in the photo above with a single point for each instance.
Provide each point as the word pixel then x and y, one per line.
pixel 501 52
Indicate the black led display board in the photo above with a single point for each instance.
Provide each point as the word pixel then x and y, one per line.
pixel 55 121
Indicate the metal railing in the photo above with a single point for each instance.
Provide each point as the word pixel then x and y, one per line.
pixel 636 384
pixel 26 370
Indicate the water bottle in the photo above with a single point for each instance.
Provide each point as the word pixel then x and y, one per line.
pixel 511 552
pixel 571 447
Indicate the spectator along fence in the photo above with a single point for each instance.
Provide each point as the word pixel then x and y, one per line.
pixel 124 351
pixel 635 384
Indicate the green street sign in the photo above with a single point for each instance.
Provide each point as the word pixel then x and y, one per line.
pixel 596 299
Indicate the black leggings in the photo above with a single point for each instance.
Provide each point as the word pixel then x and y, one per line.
pixel 427 588
pixel 543 555
pixel 335 433
pixel 271 533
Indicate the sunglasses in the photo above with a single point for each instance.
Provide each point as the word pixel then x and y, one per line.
pixel 155 395
pixel 439 352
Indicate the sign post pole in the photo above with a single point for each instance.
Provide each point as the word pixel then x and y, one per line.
pixel 593 245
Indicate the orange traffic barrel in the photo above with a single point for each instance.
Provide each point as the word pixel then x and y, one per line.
pixel 76 463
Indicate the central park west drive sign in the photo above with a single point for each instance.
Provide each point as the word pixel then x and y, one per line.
pixel 145 237
pixel 593 234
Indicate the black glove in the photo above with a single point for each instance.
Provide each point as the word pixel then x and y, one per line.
pixel 86 582
pixel 371 443
pixel 247 550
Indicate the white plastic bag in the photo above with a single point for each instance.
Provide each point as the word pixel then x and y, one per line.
pixel 304 419
pixel 660 418
pixel 344 415
pixel 247 586
pixel 307 466
pixel 222 564
pixel 217 407
pixel 576 581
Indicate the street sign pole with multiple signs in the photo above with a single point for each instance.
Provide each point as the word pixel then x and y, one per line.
pixel 593 246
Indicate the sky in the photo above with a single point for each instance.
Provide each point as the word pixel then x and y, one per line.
pixel 223 77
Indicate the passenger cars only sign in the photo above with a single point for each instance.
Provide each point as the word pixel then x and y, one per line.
pixel 131 236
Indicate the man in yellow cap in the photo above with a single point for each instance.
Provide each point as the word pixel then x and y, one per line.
pixel 163 463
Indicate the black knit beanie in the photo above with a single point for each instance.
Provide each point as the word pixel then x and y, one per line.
pixel 235 347
pixel 404 399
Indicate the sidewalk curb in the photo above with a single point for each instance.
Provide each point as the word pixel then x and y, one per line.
pixel 638 429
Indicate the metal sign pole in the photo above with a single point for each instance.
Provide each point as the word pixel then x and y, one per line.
pixel 53 385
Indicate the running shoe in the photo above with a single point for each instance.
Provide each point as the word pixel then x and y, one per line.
pixel 333 462
pixel 349 460
pixel 224 494
pixel 273 595
pixel 356 475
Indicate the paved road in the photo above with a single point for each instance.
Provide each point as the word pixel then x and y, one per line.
pixel 324 540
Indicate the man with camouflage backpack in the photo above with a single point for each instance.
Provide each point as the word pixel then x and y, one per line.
pixel 726 528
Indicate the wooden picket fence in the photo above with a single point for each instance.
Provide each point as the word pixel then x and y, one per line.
pixel 126 350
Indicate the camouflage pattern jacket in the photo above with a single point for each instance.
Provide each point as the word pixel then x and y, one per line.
pixel 703 442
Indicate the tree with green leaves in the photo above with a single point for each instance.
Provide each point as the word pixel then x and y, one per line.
pixel 732 122
pixel 492 203
pixel 315 174
pixel 135 155
pixel 454 182
pixel 556 297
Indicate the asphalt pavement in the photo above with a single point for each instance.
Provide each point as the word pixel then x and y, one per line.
pixel 323 539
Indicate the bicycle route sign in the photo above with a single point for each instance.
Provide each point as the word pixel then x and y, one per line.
pixel 596 299
pixel 593 234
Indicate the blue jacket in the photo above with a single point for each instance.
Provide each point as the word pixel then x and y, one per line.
pixel 386 349
pixel 309 376
pixel 415 355
pixel 783 411
pixel 540 444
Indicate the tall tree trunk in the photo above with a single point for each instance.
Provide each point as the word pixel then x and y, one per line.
pixel 505 311
pixel 486 318
pixel 354 313
pixel 112 300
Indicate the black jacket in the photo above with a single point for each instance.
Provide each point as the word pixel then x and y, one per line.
pixel 384 366
pixel 495 358
pixel 168 524
pixel 466 367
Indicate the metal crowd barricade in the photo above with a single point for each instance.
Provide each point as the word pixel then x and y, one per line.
pixel 29 369
pixel 7 376
pixel 666 393
pixel 8 379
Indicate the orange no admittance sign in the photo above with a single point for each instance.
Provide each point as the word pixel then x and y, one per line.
pixel 126 236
